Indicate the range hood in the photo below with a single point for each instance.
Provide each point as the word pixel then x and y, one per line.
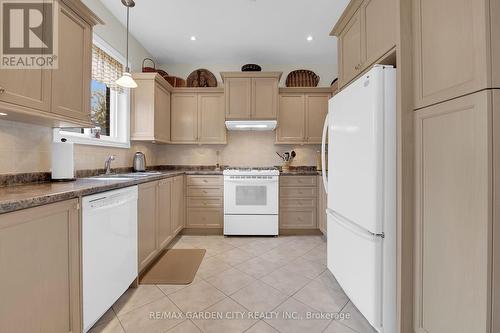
pixel 251 125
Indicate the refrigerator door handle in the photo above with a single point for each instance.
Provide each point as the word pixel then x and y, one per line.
pixel 352 226
pixel 323 154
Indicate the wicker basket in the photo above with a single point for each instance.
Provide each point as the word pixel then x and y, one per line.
pixel 175 81
pixel 302 78
pixel 146 69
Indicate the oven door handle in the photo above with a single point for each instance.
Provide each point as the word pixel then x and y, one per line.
pixel 251 181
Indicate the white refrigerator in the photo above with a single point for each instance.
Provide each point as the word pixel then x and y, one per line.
pixel 361 189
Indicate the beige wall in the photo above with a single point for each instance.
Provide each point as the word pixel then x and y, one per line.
pixel 326 72
pixel 242 149
pixel 26 148
pixel 114 33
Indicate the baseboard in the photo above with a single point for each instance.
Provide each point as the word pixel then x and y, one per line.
pixel 300 232
pixel 201 231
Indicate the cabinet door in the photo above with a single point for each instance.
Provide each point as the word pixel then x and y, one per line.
pixel 264 98
pixel 298 218
pixel 453 221
pixel 238 93
pixel 211 117
pixel 350 55
pixel 184 127
pixel 316 111
pixel 147 216
pixel 71 80
pixel 26 87
pixel 162 114
pixel 451 49
pixel 205 218
pixel 178 199
pixel 40 263
pixel 164 228
pixel 291 118
pixel 379 28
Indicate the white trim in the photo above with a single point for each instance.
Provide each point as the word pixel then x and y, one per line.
pixel 119 125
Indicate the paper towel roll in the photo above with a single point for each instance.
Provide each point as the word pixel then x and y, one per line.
pixel 63 161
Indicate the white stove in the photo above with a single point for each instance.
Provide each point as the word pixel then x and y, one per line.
pixel 251 201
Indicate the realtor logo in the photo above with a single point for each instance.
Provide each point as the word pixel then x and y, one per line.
pixel 28 34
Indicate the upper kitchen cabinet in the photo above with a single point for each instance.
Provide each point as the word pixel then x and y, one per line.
pixel 302 113
pixel 366 32
pixel 198 116
pixel 71 80
pixel 150 114
pixel 58 97
pixel 349 50
pixel 251 95
pixel 456 48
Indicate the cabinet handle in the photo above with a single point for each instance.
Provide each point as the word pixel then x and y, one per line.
pixel 2 90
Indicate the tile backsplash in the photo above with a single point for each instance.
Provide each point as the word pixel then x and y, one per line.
pixel 26 148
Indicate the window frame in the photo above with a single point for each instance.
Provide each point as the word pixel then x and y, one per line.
pixel 119 125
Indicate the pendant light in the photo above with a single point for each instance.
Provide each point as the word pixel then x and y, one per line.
pixel 126 80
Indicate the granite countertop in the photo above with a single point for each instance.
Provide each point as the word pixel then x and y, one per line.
pixel 31 195
pixel 16 197
pixel 300 173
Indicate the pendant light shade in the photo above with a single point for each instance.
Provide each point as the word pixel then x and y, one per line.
pixel 126 80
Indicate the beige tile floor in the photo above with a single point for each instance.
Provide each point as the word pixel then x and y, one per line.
pixel 241 276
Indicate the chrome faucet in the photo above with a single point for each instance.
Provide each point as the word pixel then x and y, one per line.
pixel 107 164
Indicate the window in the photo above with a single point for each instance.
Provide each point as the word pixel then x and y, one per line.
pixel 110 104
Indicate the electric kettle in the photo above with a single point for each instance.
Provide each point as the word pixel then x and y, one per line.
pixel 139 162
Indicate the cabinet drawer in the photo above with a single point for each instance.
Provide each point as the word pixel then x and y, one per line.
pixel 298 181
pixel 298 218
pixel 204 217
pixel 204 180
pixel 204 191
pixel 297 203
pixel 298 192
pixel 204 202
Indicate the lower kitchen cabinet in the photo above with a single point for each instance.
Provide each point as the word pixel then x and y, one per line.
pixel 178 199
pixel 147 220
pixel 298 202
pixel 165 196
pixel 160 216
pixel 453 234
pixel 40 264
pixel 205 202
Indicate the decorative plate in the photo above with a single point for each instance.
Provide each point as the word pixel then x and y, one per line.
pixel 201 78
pixel 251 68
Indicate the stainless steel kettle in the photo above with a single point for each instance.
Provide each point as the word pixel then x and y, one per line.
pixel 139 162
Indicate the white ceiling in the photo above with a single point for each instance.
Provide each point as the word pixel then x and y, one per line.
pixel 234 31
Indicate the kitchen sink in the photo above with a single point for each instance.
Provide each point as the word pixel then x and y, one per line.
pixel 125 176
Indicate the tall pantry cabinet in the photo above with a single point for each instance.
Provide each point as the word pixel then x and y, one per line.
pixel 457 164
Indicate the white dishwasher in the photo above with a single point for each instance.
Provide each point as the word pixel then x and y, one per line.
pixel 109 249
